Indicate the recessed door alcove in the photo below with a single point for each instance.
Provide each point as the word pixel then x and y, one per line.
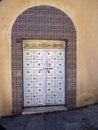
pixel 43 23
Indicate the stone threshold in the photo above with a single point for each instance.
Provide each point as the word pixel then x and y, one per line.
pixel 35 110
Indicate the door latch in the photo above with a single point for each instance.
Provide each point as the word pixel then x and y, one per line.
pixel 48 68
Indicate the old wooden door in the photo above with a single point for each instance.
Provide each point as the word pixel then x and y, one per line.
pixel 43 72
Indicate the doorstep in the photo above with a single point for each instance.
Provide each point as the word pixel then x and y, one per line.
pixel 35 110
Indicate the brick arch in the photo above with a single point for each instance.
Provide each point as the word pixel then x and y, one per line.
pixel 43 22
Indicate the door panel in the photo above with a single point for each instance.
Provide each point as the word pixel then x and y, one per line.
pixel 44 77
pixel 33 78
pixel 55 77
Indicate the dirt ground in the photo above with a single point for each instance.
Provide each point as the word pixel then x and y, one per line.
pixel 79 119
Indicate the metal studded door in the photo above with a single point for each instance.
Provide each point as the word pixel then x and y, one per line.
pixel 43 72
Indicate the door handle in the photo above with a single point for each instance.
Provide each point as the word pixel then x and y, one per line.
pixel 48 68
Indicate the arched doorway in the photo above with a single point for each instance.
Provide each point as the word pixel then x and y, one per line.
pixel 43 23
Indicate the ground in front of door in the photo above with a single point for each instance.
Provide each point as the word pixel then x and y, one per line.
pixel 79 119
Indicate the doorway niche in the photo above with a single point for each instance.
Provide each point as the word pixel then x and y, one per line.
pixel 41 23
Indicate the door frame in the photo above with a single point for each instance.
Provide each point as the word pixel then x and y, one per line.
pixel 61 42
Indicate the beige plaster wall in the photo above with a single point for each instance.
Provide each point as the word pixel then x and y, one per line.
pixel 84 14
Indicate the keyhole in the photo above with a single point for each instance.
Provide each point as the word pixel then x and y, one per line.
pixel 48 71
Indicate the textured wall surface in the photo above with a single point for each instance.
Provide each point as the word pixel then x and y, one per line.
pixel 84 15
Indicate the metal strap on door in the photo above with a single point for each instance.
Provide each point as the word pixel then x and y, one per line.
pixel 43 72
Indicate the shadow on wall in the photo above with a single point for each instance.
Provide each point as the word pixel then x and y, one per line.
pixel 86 99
